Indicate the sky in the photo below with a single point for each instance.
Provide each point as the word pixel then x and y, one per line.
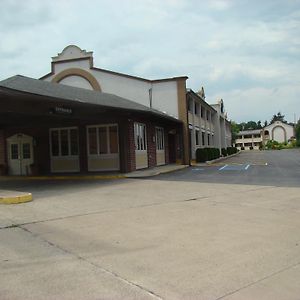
pixel 246 52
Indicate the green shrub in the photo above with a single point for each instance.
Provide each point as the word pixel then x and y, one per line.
pixel 216 152
pixel 206 154
pixel 224 152
pixel 201 155
pixel 231 150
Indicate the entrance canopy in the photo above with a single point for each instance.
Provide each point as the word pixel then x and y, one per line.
pixel 23 98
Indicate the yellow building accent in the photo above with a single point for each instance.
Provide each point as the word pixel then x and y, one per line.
pixel 78 72
pixel 16 199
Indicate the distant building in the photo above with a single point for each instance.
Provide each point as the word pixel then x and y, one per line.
pixel 208 124
pixel 254 139
pixel 249 139
pixel 278 131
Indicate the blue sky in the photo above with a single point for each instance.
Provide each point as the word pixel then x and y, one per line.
pixel 246 52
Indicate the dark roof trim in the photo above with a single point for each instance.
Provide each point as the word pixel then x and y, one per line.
pixel 26 85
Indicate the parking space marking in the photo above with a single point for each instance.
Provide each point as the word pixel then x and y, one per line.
pixel 235 167
pixel 223 168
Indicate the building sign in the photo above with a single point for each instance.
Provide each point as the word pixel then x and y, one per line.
pixel 57 110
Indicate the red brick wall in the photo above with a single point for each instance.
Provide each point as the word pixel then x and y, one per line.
pixel 130 149
pixel 126 142
pixel 151 145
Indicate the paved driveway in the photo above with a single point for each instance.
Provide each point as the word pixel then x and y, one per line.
pixel 169 237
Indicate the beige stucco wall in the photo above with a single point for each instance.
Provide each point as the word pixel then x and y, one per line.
pixel 103 164
pixel 160 157
pixel 141 159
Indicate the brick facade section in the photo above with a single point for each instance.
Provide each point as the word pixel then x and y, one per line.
pixel 130 149
pixel 151 145
pixel 41 147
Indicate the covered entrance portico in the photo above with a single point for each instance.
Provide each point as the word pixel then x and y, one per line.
pixel 50 128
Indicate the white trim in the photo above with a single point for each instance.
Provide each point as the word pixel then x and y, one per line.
pixel 60 157
pixel 102 156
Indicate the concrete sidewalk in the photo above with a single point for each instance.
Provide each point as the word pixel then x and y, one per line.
pixel 14 197
pixel 155 171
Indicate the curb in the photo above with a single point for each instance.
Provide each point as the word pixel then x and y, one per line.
pixel 95 177
pixel 222 158
pixel 16 199
pixel 157 173
pixel 210 162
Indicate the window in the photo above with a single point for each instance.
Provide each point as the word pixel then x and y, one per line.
pixel 160 141
pixel 103 139
pixel 197 108
pixel 102 132
pixel 197 137
pixel 140 136
pixel 202 112
pixel 203 138
pixel 14 151
pixel 26 151
pixel 190 105
pixel 208 139
pixel 64 142
pixel 207 115
pixel 92 137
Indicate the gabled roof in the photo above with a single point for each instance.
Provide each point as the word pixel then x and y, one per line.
pixel 65 92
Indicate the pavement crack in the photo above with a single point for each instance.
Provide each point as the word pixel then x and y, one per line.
pixel 195 199
pixel 102 269
pixel 259 280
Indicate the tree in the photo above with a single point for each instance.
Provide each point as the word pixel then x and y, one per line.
pixel 259 125
pixel 250 125
pixel 265 123
pixel 235 129
pixel 278 117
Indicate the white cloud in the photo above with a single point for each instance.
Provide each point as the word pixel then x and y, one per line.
pixel 219 4
pixel 261 102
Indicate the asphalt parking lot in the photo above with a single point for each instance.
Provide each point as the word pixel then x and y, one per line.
pixel 210 233
pixel 270 168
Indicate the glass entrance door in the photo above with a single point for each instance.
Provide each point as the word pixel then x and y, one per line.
pixel 20 154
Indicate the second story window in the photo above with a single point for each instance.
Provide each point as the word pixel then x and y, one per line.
pixel 190 105
pixel 197 108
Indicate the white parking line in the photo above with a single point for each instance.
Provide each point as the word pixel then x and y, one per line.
pixel 247 167
pixel 223 167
